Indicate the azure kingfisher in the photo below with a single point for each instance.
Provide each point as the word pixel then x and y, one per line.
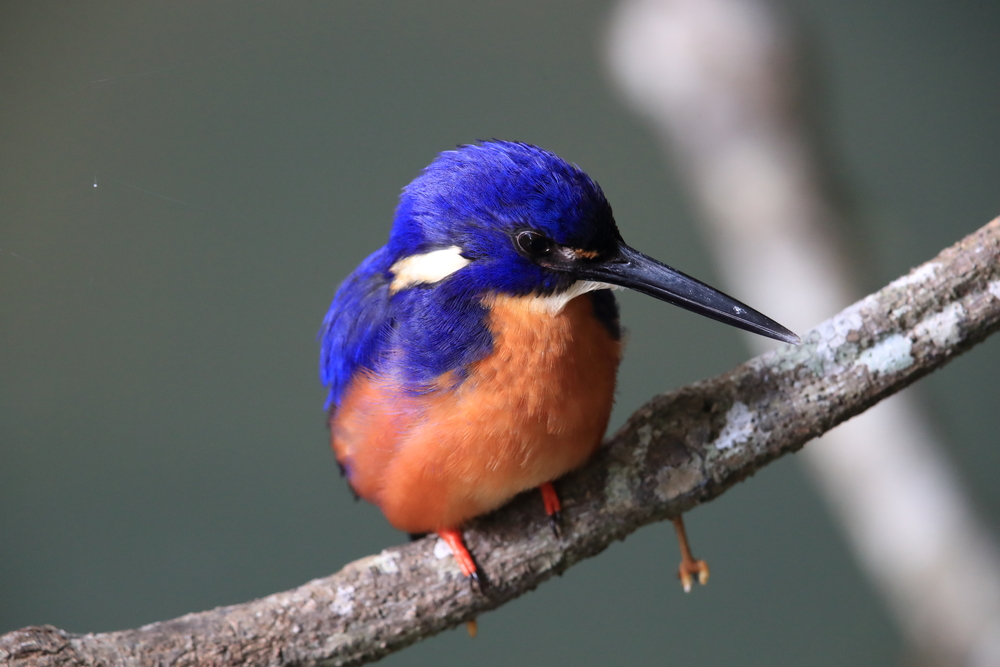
pixel 474 355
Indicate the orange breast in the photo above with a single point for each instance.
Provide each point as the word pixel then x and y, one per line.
pixel 532 410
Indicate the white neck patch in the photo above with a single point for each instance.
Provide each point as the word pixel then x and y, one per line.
pixel 430 267
pixel 553 304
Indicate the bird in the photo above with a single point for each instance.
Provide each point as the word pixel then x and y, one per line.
pixel 474 356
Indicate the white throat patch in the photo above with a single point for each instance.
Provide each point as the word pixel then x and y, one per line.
pixel 430 267
pixel 553 304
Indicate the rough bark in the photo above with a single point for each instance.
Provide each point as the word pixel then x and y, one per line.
pixel 680 449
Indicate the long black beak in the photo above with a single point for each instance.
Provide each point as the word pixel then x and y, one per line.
pixel 630 268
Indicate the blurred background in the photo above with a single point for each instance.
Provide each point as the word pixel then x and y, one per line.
pixel 183 186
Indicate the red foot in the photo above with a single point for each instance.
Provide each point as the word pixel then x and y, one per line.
pixel 551 499
pixel 552 506
pixel 453 538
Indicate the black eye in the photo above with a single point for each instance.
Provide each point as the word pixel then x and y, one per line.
pixel 534 244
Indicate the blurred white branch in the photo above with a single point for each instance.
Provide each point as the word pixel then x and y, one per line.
pixel 717 78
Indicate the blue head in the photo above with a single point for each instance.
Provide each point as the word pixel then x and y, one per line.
pixel 504 205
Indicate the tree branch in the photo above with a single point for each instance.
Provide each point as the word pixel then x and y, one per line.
pixel 681 449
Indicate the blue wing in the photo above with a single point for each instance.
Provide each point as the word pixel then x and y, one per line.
pixel 431 330
pixel 358 326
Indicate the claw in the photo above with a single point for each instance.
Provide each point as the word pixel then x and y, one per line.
pixel 689 565
pixel 686 569
pixel 554 520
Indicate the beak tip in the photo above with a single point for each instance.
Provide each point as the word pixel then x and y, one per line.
pixel 786 336
pixel 793 338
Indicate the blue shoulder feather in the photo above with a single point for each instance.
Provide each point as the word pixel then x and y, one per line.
pixel 428 330
pixel 358 325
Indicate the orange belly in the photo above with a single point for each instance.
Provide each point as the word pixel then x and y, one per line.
pixel 532 410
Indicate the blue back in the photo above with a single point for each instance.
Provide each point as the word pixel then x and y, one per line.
pixel 474 197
